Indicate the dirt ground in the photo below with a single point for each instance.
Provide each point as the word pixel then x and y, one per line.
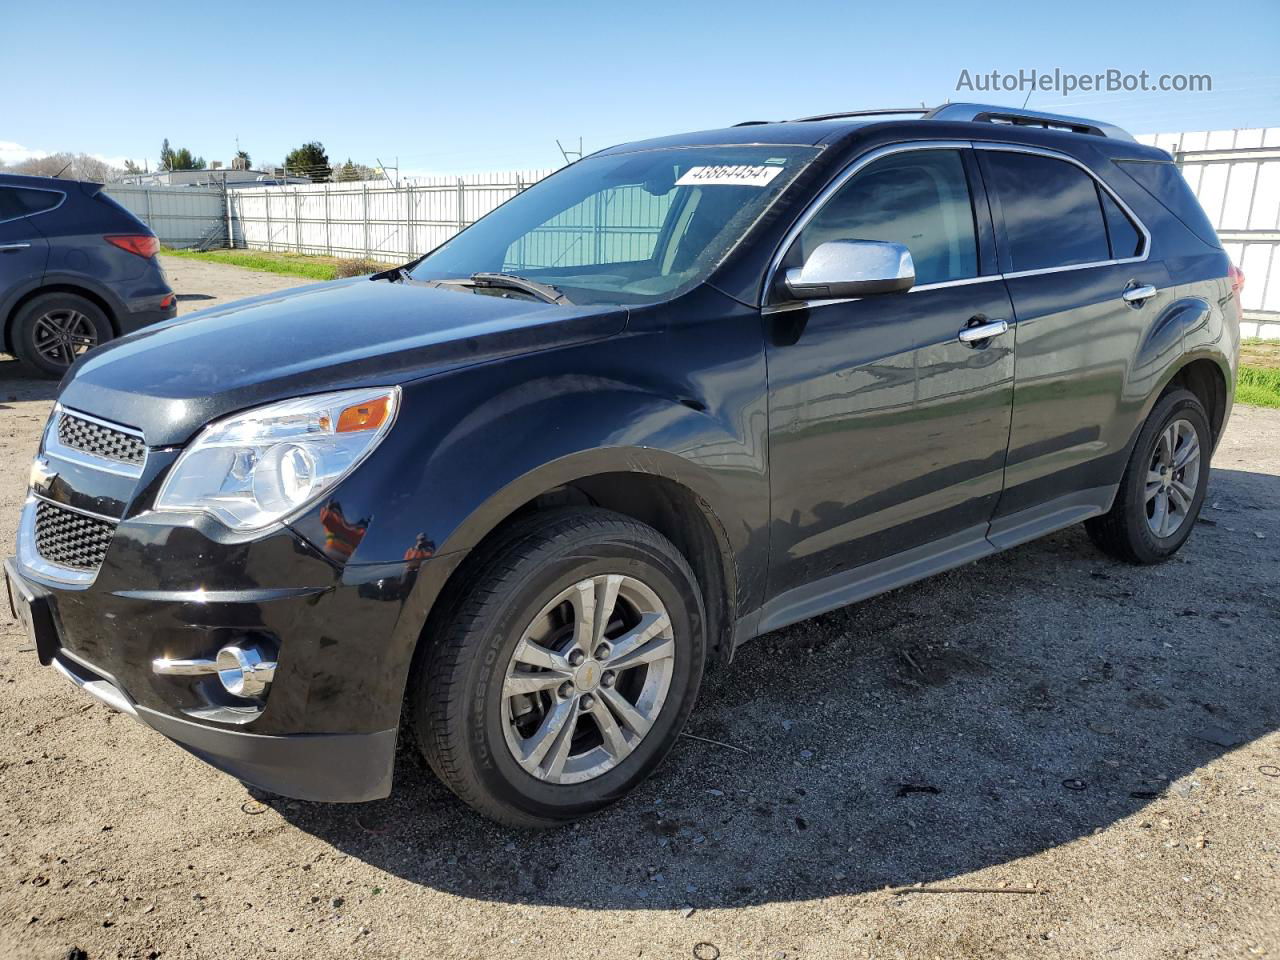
pixel 1057 755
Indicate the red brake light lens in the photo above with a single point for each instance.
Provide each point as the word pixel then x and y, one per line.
pixel 1237 279
pixel 142 245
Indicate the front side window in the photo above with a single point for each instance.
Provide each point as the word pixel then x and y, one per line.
pixel 624 228
pixel 1052 214
pixel 918 198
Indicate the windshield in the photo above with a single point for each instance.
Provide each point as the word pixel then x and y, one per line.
pixel 624 228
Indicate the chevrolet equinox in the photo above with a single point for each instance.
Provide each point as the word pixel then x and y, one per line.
pixel 515 496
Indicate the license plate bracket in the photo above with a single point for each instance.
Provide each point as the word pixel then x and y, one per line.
pixel 30 607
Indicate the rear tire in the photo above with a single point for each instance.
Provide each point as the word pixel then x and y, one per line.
pixel 52 330
pixel 531 706
pixel 1164 484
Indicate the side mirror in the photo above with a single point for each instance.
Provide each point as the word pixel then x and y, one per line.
pixel 852 268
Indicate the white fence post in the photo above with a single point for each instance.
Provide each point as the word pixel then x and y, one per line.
pixel 365 186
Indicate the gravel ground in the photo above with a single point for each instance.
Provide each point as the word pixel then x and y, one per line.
pixel 1060 755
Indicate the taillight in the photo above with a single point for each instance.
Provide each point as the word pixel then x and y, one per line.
pixel 1236 275
pixel 144 245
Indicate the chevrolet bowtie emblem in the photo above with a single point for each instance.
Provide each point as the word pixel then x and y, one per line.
pixel 42 475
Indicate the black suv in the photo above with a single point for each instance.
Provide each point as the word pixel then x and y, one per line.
pixel 76 270
pixel 521 491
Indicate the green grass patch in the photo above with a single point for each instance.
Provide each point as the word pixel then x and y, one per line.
pixel 1258 386
pixel 287 264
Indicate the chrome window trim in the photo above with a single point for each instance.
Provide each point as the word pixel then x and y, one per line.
pixel 62 198
pixel 54 447
pixel 858 163
pixel 29 557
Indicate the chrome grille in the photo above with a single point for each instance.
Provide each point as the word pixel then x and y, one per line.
pixel 71 539
pixel 98 440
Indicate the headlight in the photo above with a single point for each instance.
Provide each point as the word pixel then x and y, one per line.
pixel 256 468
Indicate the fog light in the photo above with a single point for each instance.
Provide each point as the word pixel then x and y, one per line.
pixel 243 672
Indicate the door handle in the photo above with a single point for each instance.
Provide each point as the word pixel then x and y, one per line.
pixel 13 247
pixel 983 331
pixel 1136 295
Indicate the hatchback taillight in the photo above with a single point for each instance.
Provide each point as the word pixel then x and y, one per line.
pixel 144 245
pixel 1236 276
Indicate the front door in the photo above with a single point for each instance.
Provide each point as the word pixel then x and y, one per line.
pixel 888 433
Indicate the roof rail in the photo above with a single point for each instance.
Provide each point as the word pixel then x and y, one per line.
pixel 987 113
pixel 889 111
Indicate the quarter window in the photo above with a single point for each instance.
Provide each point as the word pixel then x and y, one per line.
pixel 1052 216
pixel 18 202
pixel 918 198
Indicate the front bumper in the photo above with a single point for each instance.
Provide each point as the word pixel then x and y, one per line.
pixel 327 728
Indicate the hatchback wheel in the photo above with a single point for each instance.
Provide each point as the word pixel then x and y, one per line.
pixel 1164 484
pixel 52 330
pixel 568 666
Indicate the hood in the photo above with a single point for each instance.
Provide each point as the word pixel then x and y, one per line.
pixel 170 379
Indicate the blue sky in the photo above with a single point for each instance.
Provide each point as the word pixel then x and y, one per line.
pixel 454 87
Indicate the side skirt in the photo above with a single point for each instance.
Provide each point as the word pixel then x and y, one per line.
pixel 868 580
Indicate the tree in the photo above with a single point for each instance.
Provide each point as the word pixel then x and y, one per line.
pixel 309 160
pixel 180 159
pixel 350 172
pixel 244 155
pixel 77 166
pixel 131 168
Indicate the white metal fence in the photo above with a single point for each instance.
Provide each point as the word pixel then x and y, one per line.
pixel 1236 177
pixel 179 216
pixel 372 219
pixel 1234 173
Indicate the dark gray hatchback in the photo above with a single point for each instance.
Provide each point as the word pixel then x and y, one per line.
pixel 681 393
pixel 76 270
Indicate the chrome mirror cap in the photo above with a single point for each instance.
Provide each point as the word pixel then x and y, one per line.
pixel 852 268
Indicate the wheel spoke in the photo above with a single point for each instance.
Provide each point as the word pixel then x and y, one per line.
pixel 614 741
pixel 634 720
pixel 659 648
pixel 530 653
pixel 650 626
pixel 558 755
pixel 1152 490
pixel 1188 492
pixel 1190 451
pixel 584 614
pixel 1180 501
pixel 524 682
pixel 544 738
pixel 1160 514
pixel 606 599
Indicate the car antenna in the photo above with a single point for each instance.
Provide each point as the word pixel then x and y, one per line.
pixel 63 170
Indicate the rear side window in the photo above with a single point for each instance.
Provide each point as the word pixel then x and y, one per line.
pixel 1052 217
pixel 1126 241
pixel 21 202
pixel 919 199
pixel 1165 182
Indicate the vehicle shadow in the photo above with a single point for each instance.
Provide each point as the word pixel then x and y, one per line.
pixel 19 384
pixel 972 719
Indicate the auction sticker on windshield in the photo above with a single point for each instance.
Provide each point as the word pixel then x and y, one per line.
pixel 737 175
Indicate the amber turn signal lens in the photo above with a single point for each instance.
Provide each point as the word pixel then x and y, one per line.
pixel 364 416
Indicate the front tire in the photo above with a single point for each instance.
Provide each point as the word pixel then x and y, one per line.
pixel 566 668
pixel 1163 486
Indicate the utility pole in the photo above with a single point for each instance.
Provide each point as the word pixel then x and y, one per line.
pixel 576 154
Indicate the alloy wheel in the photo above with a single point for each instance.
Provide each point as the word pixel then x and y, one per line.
pixel 1172 478
pixel 588 679
pixel 61 335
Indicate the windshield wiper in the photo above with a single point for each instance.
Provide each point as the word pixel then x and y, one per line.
pixel 543 291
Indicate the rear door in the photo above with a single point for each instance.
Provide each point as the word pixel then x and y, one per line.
pixel 887 433
pixel 1070 250
pixel 24 251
